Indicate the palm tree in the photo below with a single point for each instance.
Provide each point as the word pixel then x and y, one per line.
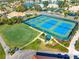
pixel 3 20
pixel 21 1
pixel 65 1
pixel 74 1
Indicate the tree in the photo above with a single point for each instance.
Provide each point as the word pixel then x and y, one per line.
pixel 33 0
pixel 10 21
pixel 62 4
pixel 45 3
pixel 22 1
pixel 66 12
pixel 37 7
pixel 14 20
pixel 77 13
pixel 65 1
pixel 20 8
pixel 19 20
pixel 11 0
pixel 3 20
pixel 75 1
pixel 76 17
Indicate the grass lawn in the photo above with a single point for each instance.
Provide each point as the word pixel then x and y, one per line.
pixel 33 46
pixel 59 47
pixel 17 35
pixel 65 43
pixel 56 48
pixel 2 54
pixel 77 45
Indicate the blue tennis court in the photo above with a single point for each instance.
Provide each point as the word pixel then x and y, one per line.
pixel 59 28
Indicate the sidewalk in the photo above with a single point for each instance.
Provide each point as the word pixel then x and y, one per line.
pixel 71 48
pixel 5 47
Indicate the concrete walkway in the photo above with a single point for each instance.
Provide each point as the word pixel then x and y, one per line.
pixel 60 43
pixel 32 41
pixel 18 54
pixel 25 54
pixel 71 48
pixel 5 47
pixel 22 54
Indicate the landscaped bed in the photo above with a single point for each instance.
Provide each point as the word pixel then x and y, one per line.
pixel 77 45
pixel 60 48
pixel 2 54
pixel 56 46
pixel 53 48
pixel 17 35
pixel 65 43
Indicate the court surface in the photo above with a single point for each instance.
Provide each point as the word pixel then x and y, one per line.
pixel 58 28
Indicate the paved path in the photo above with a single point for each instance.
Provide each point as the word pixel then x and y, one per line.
pixel 60 43
pixel 71 48
pixel 17 55
pixel 25 54
pixel 5 47
pixel 43 40
pixel 32 41
pixel 22 54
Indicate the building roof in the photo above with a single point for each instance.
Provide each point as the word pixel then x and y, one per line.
pixel 17 14
pixel 2 12
pixel 43 57
pixel 74 8
pixel 53 5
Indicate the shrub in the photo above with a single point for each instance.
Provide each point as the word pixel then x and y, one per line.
pixel 37 7
pixel 45 3
pixel 21 9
